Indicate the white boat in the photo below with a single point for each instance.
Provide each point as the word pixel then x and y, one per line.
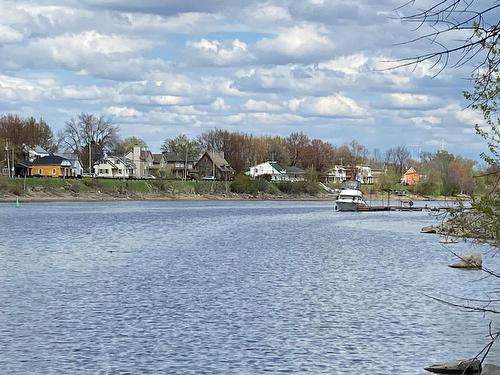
pixel 350 198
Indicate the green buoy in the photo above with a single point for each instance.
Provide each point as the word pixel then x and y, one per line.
pixel 17 202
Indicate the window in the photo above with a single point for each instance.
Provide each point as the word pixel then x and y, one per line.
pixel 39 171
pixel 53 171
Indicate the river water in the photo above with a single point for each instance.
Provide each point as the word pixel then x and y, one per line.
pixel 229 287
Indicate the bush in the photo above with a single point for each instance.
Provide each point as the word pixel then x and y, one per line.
pixel 243 184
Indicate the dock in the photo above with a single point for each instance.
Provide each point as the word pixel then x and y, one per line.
pixel 389 208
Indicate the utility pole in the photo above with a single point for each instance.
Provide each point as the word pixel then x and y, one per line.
pixel 90 157
pixel 185 164
pixel 7 152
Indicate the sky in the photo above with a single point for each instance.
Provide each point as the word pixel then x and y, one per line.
pixel 159 68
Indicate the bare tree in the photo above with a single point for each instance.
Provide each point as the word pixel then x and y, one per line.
pixel 89 137
pixel 399 157
pixel 296 144
pixel 473 25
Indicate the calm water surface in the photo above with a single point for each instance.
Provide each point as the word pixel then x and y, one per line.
pixel 228 288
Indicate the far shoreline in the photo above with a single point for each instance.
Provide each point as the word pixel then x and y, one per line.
pixel 103 197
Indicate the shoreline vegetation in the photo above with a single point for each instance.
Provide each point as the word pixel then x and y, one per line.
pixel 49 189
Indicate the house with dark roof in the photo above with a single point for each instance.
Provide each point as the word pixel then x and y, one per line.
pixel 213 166
pixel 179 167
pixel 51 166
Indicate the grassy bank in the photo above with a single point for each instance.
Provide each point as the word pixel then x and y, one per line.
pixel 46 188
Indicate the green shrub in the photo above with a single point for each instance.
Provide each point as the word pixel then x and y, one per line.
pixel 243 184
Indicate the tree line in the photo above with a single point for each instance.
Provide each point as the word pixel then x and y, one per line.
pixel 91 137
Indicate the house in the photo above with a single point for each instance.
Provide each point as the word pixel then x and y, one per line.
pixel 51 166
pixel 213 166
pixel 378 170
pixel 23 168
pixel 364 175
pixel 272 169
pixel 115 167
pixel 143 161
pixel 336 175
pixel 340 173
pixel 179 167
pixel 294 174
pixel 410 177
pixel 276 173
pixel 76 166
pixel 32 153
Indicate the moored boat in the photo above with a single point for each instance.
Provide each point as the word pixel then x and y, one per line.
pixel 350 198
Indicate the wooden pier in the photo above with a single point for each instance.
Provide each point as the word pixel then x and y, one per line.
pixel 390 208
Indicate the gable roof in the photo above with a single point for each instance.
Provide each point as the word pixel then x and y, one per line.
pixel 50 160
pixel 219 161
pixel 172 157
pixel 411 170
pixel 157 158
pixel 294 170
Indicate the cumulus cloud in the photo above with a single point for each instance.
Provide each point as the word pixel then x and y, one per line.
pixel 327 106
pixel 411 101
pixel 218 53
pixel 10 35
pixel 122 111
pixel 252 105
pixel 299 43
pixel 179 65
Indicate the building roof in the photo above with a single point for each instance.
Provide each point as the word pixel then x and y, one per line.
pixel 145 154
pixel 24 163
pixel 157 158
pixel 172 157
pixel 68 155
pixel 411 170
pixel 294 170
pixel 50 160
pixel 219 161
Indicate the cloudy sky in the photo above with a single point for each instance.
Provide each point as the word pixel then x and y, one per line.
pixel 163 67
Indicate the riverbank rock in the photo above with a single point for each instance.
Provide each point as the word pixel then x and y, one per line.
pixel 434 228
pixel 461 366
pixel 469 261
pixel 490 370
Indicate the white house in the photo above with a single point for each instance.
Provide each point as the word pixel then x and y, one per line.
pixel 268 168
pixel 115 167
pixel 336 175
pixel 276 172
pixel 35 152
pixel 364 175
pixel 143 161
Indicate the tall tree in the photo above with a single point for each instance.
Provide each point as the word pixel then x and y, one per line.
pixel 89 132
pixel 182 146
pixel 126 145
pixel 399 157
pixel 296 144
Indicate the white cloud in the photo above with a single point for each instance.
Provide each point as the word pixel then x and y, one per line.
pixel 219 53
pixel 10 35
pixel 14 89
pixel 416 101
pixel 261 106
pixel 351 65
pixel 296 43
pixel 123 111
pixel 327 106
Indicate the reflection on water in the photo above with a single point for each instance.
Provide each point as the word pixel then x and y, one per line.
pixel 228 287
